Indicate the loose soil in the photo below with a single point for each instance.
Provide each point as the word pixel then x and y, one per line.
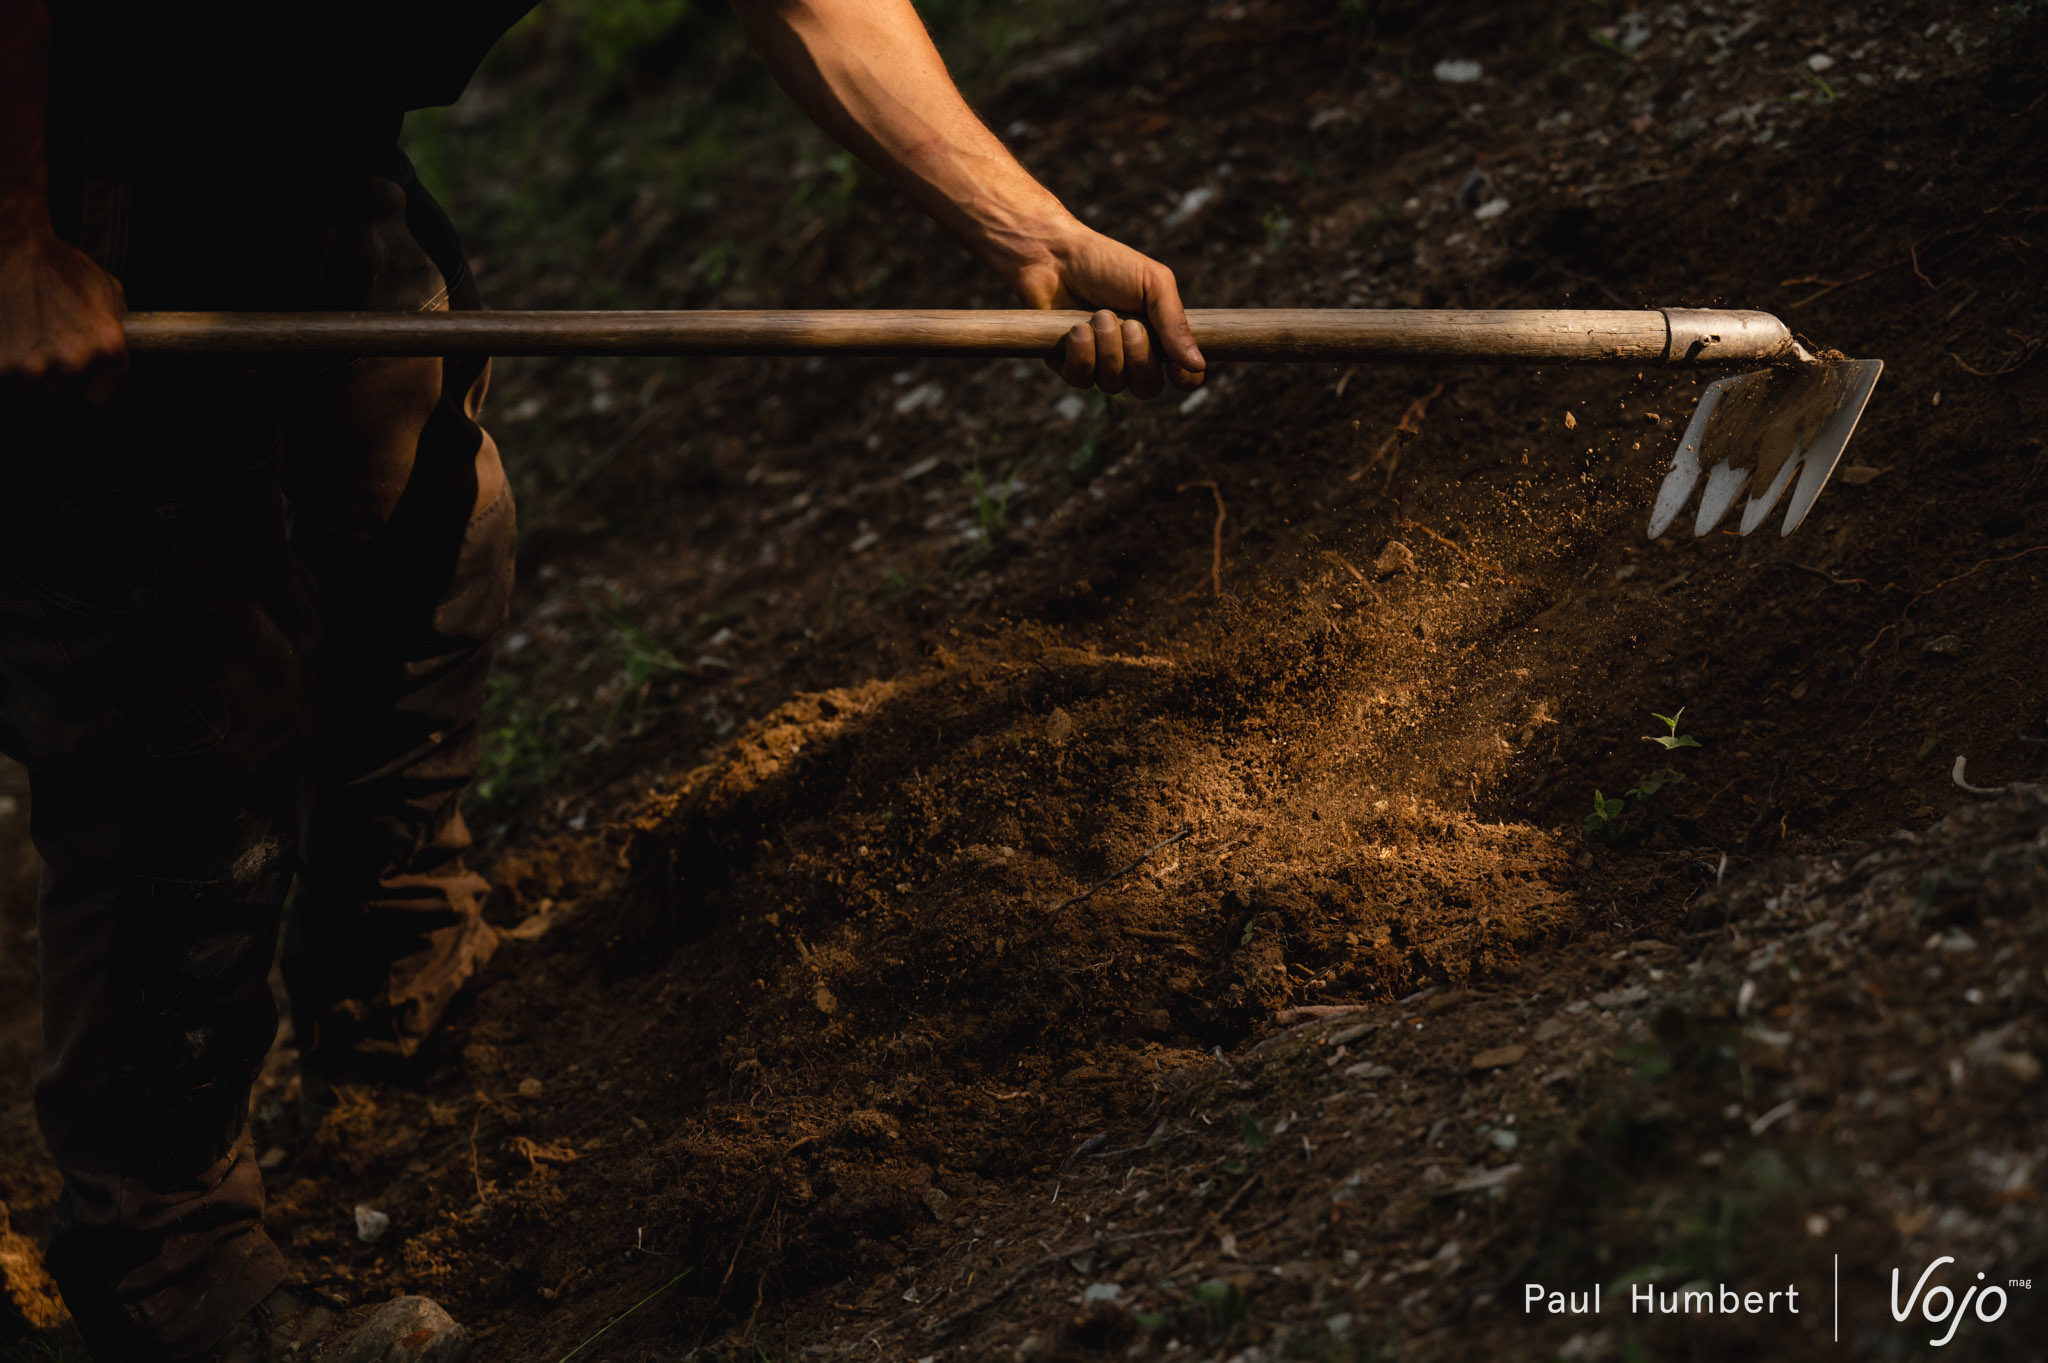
pixel 991 874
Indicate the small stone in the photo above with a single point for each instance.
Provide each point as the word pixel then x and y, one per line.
pixel 530 1087
pixel 938 1203
pixel 1819 61
pixel 1059 726
pixel 1349 1034
pixel 1452 71
pixel 825 1000
pixel 1552 1028
pixel 371 1224
pixel 1942 646
pixel 1571 423
pixel 272 1158
pixel 1395 558
pixel 1500 1057
pixel 1102 1292
pixel 404 1330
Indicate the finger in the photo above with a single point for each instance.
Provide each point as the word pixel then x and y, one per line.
pixel 1170 324
pixel 1187 380
pixel 1141 368
pixel 1078 366
pixel 108 374
pixel 1109 351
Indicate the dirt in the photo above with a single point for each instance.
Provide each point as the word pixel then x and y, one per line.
pixel 925 806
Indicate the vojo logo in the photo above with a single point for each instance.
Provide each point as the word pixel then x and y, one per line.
pixel 1949 1311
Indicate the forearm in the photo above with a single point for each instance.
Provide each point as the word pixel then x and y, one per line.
pixel 24 89
pixel 868 74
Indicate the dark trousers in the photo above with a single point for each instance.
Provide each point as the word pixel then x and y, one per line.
pixel 245 618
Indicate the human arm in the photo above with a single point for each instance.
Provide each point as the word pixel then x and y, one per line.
pixel 867 73
pixel 60 314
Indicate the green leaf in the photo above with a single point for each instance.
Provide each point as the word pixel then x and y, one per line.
pixel 1254 1138
pixel 1233 1166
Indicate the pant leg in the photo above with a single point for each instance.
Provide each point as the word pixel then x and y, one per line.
pixel 148 678
pixel 404 521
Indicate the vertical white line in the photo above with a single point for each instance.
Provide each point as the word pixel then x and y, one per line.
pixel 1838 1299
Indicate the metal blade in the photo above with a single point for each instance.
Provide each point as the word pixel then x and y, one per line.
pixel 1757 433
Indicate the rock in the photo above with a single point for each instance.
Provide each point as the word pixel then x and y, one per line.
pixel 1452 71
pixel 1059 726
pixel 1552 1028
pixel 1395 558
pixel 1102 1292
pixel 1942 646
pixel 1500 1057
pixel 371 1224
pixel 1621 998
pixel 530 1087
pixel 28 1298
pixel 938 1203
pixel 920 397
pixel 407 1330
pixel 1485 1180
pixel 1491 209
pixel 273 1158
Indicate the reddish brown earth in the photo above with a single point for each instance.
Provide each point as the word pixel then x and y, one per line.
pixel 810 754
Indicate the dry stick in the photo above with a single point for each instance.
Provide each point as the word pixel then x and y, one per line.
pixel 1203 1231
pixel 1870 649
pixel 1460 550
pixel 1410 424
pixel 1121 872
pixel 2028 346
pixel 1216 549
pixel 623 1314
pixel 1016 1279
pixel 1821 573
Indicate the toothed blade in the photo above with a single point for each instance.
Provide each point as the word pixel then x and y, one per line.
pixel 1765 433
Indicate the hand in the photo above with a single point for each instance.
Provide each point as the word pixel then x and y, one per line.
pixel 1079 267
pixel 60 317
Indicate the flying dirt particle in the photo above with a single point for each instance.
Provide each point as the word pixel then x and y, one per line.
pixel 1571 423
pixel 1395 558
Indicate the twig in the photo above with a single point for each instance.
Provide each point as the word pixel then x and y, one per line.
pixel 1962 780
pixel 1207 1227
pixel 1821 573
pixel 1016 1279
pixel 2029 345
pixel 1460 550
pixel 1410 424
pixel 623 1314
pixel 1123 871
pixel 1913 254
pixel 1870 648
pixel 1216 549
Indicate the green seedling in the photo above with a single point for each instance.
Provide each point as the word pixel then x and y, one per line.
pixel 1606 819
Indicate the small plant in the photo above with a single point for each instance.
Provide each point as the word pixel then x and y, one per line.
pixel 1605 822
pixel 991 510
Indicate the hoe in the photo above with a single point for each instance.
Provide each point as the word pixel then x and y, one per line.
pixel 1779 427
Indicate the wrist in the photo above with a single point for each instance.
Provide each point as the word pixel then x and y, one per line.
pixel 1017 246
pixel 24 212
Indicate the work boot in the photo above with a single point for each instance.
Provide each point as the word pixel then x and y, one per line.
pixel 290 1324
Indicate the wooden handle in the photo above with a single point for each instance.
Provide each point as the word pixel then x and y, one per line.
pixel 1341 335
